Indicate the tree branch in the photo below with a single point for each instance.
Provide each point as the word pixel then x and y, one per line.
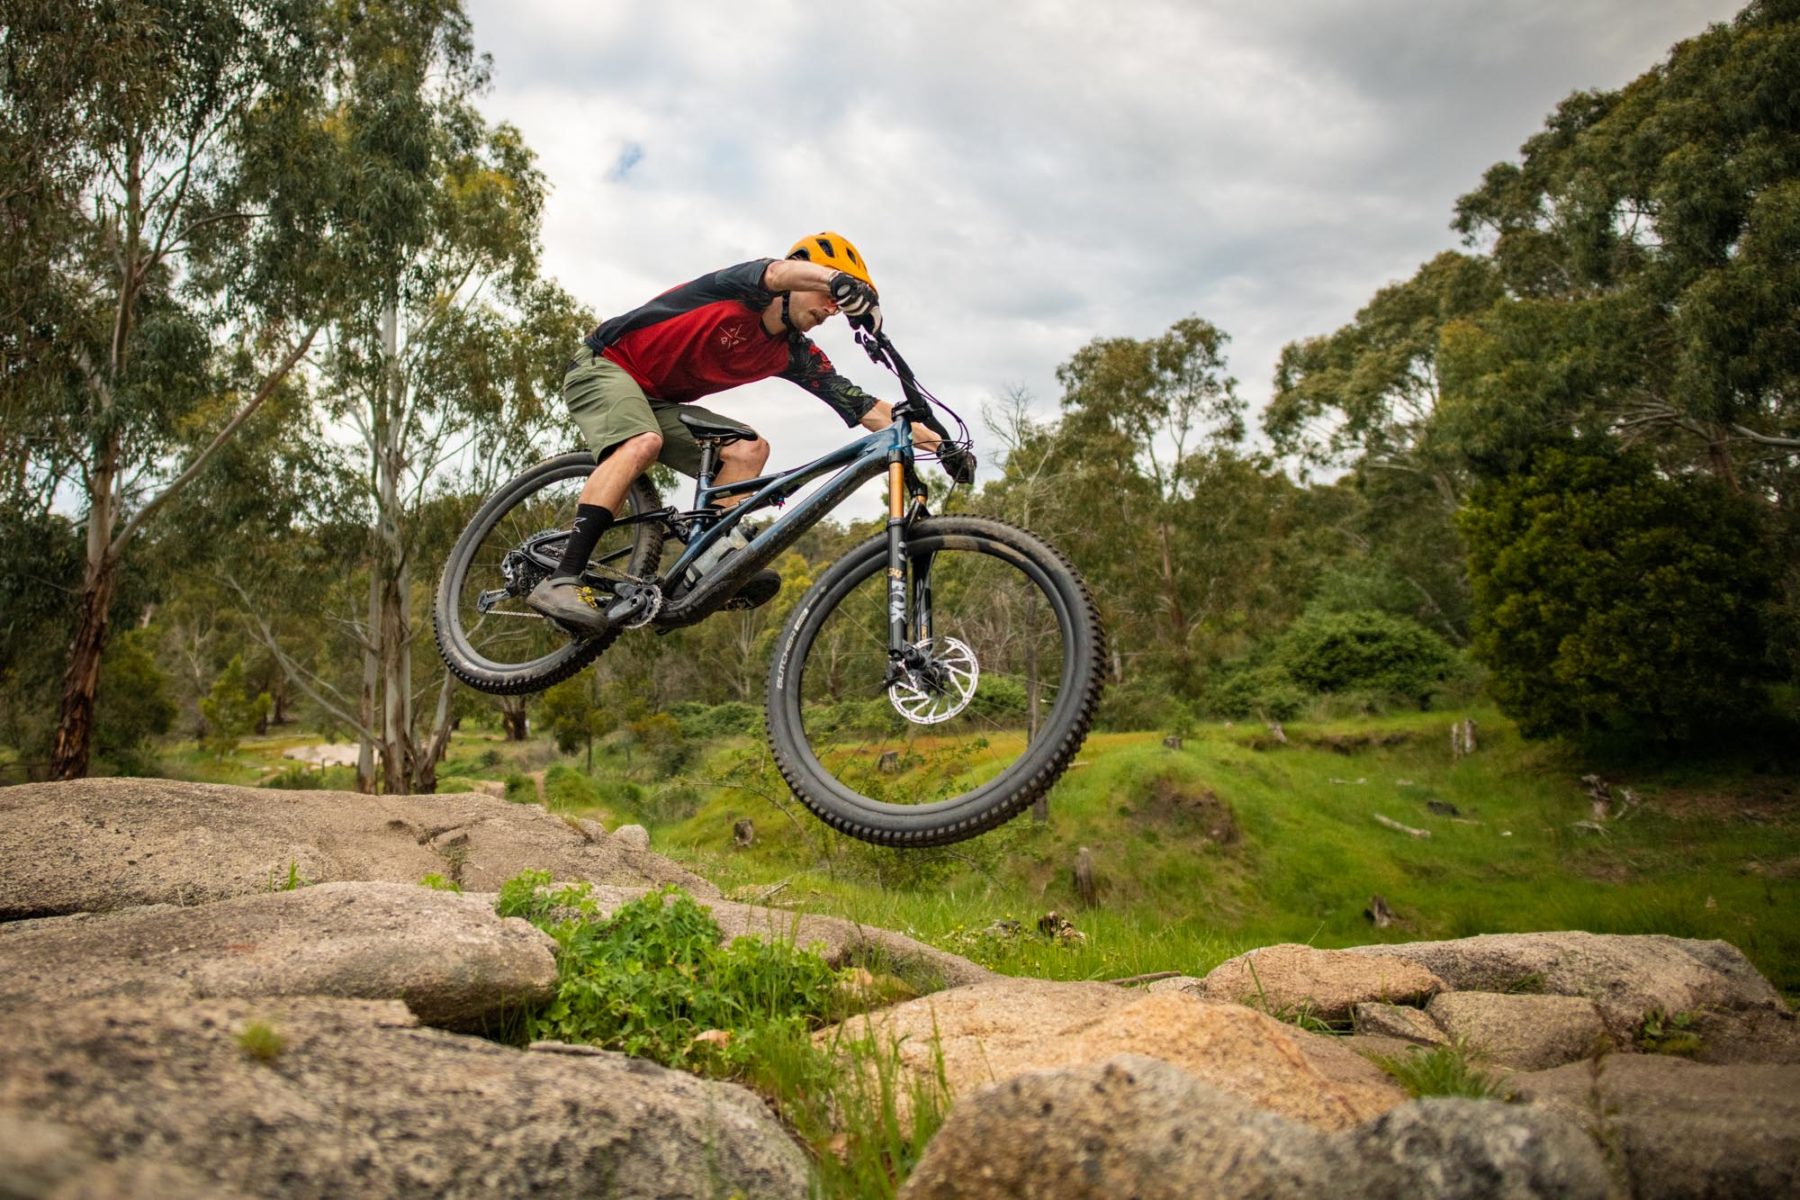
pixel 267 389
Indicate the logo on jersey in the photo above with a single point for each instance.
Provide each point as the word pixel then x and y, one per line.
pixel 733 336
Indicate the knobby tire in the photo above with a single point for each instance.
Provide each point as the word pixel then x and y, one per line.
pixel 455 620
pixel 1034 564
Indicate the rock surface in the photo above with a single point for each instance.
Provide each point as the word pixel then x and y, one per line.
pixel 1394 1021
pixel 1136 1126
pixel 100 844
pixel 1627 977
pixel 448 957
pixel 358 1101
pixel 1526 1032
pixel 991 1032
pixel 1683 1129
pixel 1325 984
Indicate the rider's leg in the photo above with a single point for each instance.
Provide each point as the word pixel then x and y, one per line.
pixel 740 460
pixel 616 421
pixel 610 481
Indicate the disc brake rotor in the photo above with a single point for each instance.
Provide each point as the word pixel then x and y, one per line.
pixel 942 688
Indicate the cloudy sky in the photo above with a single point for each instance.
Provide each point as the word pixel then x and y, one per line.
pixel 1026 176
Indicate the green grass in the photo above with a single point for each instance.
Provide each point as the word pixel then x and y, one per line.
pixel 1443 1071
pixel 654 979
pixel 1235 842
pixel 1230 843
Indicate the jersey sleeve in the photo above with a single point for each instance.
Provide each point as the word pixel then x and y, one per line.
pixel 742 283
pixel 808 367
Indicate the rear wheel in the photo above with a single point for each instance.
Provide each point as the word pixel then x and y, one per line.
pixel 487 635
pixel 997 697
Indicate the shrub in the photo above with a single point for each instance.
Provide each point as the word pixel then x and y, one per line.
pixel 520 789
pixel 1366 651
pixel 1610 599
pixel 1247 690
pixel 653 975
pixel 133 704
pixel 565 787
pixel 733 718
pixel 230 710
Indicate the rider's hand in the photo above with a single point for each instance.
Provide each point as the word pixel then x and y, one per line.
pixel 958 463
pixel 856 300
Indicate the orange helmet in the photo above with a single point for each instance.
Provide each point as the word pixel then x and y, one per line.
pixel 832 250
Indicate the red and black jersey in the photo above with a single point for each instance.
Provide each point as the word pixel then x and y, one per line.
pixel 707 335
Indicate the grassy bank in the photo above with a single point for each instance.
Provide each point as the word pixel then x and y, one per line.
pixel 1232 841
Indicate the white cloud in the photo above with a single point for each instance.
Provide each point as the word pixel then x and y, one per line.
pixel 1027 176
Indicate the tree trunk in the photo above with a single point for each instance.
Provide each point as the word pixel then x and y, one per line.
pixel 365 707
pixel 514 718
pixel 81 680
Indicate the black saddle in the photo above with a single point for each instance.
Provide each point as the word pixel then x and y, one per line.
pixel 705 425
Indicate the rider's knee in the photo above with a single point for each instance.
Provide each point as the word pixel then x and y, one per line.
pixel 752 453
pixel 642 448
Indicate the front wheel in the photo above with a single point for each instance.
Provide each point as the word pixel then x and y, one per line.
pixel 487 635
pixel 987 710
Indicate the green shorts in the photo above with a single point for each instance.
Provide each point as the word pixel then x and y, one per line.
pixel 609 407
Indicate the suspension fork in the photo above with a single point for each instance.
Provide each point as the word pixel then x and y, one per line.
pixel 909 624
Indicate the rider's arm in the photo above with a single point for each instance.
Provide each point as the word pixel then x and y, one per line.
pixel 882 415
pixel 797 275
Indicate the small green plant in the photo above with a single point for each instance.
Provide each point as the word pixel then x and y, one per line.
pixel 293 881
pixel 1669 1033
pixel 1452 1070
pixel 438 883
pixel 259 1040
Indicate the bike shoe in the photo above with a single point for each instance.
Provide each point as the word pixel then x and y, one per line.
pixel 756 591
pixel 571 604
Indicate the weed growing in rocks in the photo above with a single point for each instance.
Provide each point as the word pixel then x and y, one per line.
pixel 653 979
pixel 1669 1033
pixel 438 883
pixel 1451 1070
pixel 259 1040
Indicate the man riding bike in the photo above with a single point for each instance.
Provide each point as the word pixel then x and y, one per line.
pixel 635 374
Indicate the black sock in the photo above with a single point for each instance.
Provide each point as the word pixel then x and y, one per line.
pixel 591 521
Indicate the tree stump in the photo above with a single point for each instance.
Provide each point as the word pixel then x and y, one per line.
pixel 1462 738
pixel 1378 912
pixel 1276 731
pixel 889 763
pixel 1084 878
pixel 743 832
pixel 1172 742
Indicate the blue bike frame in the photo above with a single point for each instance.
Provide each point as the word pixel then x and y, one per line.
pixel 856 464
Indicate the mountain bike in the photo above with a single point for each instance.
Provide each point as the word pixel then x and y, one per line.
pixel 930 685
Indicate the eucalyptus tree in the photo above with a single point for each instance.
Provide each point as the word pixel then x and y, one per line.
pixel 130 130
pixel 1172 516
pixel 434 373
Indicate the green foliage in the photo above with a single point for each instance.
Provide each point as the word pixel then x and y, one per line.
pixel 566 788
pixel 653 975
pixel 438 883
pixel 520 789
pixel 1262 690
pixel 1366 650
pixel 231 711
pixel 575 714
pixel 298 778
pixel 292 881
pixel 704 721
pixel 134 703
pixel 1452 1070
pixel 1612 599
pixel 1670 1033
pixel 260 1041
